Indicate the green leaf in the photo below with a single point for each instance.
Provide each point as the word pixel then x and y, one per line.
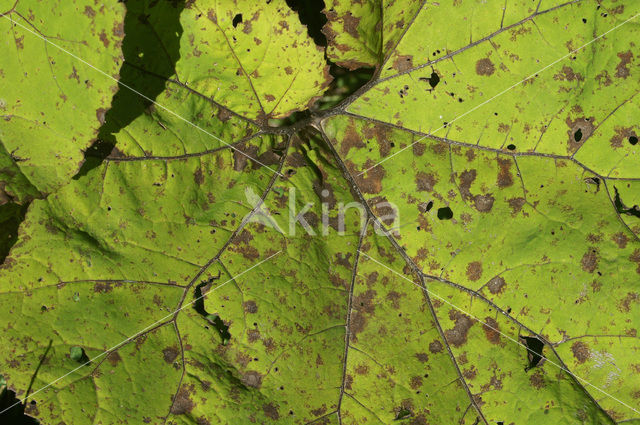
pixel 457 243
pixel 52 104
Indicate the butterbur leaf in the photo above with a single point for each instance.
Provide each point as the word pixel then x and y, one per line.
pixel 455 243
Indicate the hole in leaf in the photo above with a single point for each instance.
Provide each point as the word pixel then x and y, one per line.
pixel 534 351
pixel 577 136
pixel 511 147
pixel 633 140
pixel 213 319
pixel 237 19
pixel 445 213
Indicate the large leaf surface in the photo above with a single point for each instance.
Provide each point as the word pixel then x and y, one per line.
pixel 512 231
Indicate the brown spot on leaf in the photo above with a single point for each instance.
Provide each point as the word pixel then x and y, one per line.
pixel 568 74
pixel 170 354
pixel 88 11
pixel 250 306
pixel 458 335
pixel 590 260
pixel 579 131
pixel 485 67
pixel 620 239
pixel 403 63
pixel 198 176
pixel 635 257
pixel 491 328
pixel 183 403
pixel 496 285
pixel 271 411
pixel 422 357
pixel 580 351
pixel 537 379
pixel 505 178
pixel 371 181
pixel 100 114
pixel 483 203
pixel 351 139
pixel 622 69
pixel 474 270
pixel 114 358
pixel 425 182
pixel 252 379
pixel 435 346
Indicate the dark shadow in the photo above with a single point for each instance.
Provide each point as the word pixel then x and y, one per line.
pixel 534 351
pixel 310 14
pixel 11 215
pixel 622 208
pixel 151 49
pixel 15 415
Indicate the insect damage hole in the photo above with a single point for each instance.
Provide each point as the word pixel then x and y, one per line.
pixel 577 136
pixel 237 19
pixel 534 351
pixel 445 213
pixel 633 140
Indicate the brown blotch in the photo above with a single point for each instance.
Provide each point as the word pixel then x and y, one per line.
pixel 88 11
pixel 416 382
pixel 351 139
pixel 537 379
pixel 582 126
pixel 403 63
pixel 496 285
pixel 372 183
pixel 170 354
pixel 435 346
pixel 622 69
pixel 250 306
pixel 100 114
pixel 483 203
pixel 590 261
pixel 458 335
pixel 271 411
pixel 422 357
pixel 182 403
pixel 103 287
pixel 425 182
pixel 114 358
pixel 198 177
pixel 580 351
pixel 485 67
pixel 350 25
pixel 474 270
pixel 635 257
pixel 467 177
pixel 505 178
pixel 383 210
pixel 568 74
pixel 621 135
pixel 491 328
pixel 516 204
pixel 620 239
pixel 252 379
pixel 625 303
